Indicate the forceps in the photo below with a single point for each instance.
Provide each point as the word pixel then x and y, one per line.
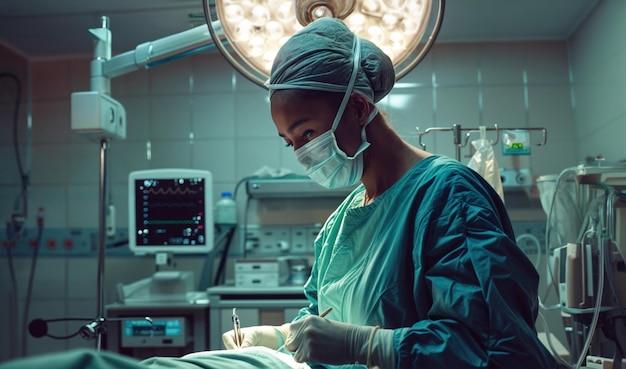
pixel 237 328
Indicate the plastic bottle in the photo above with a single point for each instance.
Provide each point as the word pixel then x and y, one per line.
pixel 226 210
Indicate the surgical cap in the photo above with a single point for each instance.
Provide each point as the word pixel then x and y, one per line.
pixel 320 57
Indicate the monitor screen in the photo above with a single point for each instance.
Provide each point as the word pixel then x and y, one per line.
pixel 170 211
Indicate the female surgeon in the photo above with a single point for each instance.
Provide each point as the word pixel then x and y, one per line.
pixel 419 262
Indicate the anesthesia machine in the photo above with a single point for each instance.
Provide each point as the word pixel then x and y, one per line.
pixel 586 244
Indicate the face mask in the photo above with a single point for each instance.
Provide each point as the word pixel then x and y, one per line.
pixel 327 164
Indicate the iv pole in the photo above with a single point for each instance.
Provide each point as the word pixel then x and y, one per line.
pixel 459 142
pixel 103 68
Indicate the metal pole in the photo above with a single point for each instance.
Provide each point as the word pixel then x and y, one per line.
pixel 102 232
pixel 456 131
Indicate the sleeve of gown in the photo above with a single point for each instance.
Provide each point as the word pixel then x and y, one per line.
pixel 481 288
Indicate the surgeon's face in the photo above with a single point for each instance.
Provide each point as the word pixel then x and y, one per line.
pixel 300 118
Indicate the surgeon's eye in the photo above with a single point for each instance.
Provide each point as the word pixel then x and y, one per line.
pixel 307 134
pixel 288 144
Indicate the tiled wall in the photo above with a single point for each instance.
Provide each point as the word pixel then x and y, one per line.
pixel 197 112
pixel 598 57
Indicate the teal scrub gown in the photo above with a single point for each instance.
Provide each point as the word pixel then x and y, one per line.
pixel 433 258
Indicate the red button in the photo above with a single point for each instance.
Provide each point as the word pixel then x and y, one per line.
pixel 68 244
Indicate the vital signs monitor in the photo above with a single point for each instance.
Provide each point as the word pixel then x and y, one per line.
pixel 170 211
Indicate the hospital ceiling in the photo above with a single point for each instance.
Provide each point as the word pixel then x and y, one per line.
pixel 50 29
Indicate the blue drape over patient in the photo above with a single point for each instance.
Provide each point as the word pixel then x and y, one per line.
pixel 433 257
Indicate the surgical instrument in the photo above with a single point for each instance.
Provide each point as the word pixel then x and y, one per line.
pixel 237 328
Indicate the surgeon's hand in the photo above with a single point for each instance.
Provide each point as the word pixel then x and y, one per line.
pixel 315 339
pixel 265 335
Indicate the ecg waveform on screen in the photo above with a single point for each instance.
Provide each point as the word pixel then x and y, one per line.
pixel 158 222
pixel 175 205
pixel 170 191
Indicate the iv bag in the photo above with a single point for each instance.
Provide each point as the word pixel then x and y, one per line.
pixel 484 162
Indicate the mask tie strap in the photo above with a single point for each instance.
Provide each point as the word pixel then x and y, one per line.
pixel 356 62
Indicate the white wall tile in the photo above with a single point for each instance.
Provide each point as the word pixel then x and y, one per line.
pixel 51 80
pixel 243 84
pixel 586 104
pixel 255 153
pixel 501 63
pixel 600 99
pixel 170 117
pixel 597 58
pixel 51 122
pixel 457 105
pixel 84 163
pixel 7 114
pixel 8 195
pixel 252 115
pixel 607 140
pixel 50 276
pixel 550 108
pixel 83 206
pixel 546 62
pixel 410 108
pixel 213 115
pixel 602 31
pixel 50 164
pixel 82 279
pixel 553 158
pixel 79 75
pixel 288 161
pixel 171 78
pixel 135 83
pixel 504 106
pixel 137 117
pixel 216 156
pixel 212 74
pixel 455 64
pixel 421 75
pixel 9 165
pixel 125 157
pixel 119 199
pixel 171 154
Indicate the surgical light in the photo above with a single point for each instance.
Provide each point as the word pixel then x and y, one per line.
pixel 254 30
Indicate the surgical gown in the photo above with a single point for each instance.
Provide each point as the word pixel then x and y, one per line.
pixel 433 258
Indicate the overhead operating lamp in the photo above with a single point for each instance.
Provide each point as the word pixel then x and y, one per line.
pixel 254 30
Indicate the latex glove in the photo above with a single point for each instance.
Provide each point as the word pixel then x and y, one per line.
pixel 265 335
pixel 315 339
